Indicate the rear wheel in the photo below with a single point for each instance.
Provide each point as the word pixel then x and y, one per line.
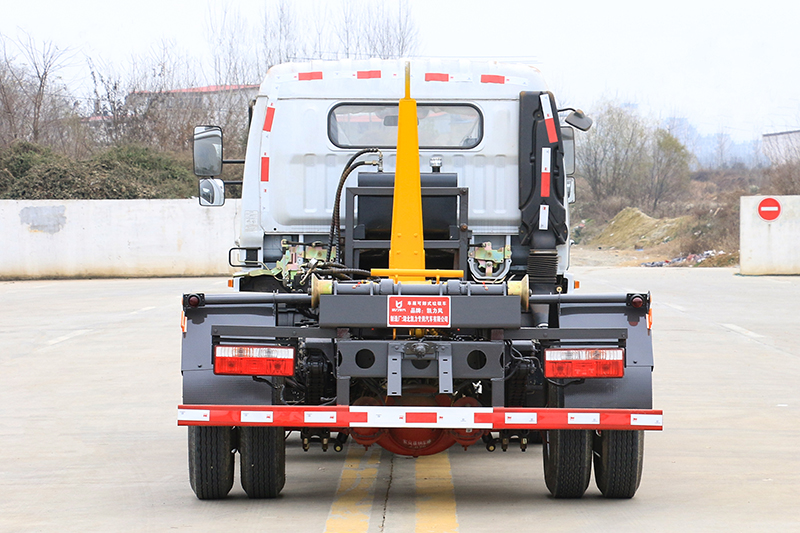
pixel 263 461
pixel 210 461
pixel 567 462
pixel 618 459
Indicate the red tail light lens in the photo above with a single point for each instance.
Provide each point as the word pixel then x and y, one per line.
pixel 254 360
pixel 584 363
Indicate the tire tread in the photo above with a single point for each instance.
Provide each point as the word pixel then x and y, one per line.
pixel 618 460
pixel 211 461
pixel 263 461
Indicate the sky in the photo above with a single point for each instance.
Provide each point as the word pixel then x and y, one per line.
pixel 729 67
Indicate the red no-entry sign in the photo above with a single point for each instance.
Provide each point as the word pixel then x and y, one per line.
pixel 769 209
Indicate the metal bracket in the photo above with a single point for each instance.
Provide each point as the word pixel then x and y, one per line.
pixel 394 374
pixel 445 371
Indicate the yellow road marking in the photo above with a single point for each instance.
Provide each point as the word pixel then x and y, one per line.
pixel 436 500
pixel 352 504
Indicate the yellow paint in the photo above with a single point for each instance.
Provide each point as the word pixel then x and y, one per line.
pixel 401 274
pixel 436 500
pixel 407 247
pixel 352 504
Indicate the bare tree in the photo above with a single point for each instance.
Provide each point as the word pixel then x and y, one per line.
pixel 12 97
pixel 348 29
pixel 33 100
pixel 669 171
pixel 722 150
pixel 612 156
pixel 231 38
pixel 44 60
pixel 406 31
pixel 375 29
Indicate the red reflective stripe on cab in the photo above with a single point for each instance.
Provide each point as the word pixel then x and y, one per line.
pixel 551 130
pixel 421 418
pixel 368 74
pixel 265 169
pixel 549 120
pixel 305 76
pixel 436 76
pixel 545 190
pixel 269 118
pixel 492 78
pixel 545 185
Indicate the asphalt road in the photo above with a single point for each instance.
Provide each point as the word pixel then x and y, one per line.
pixel 90 382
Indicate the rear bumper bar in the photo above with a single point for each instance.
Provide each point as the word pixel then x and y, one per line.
pixel 353 416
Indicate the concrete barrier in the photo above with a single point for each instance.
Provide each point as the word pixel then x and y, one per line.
pixel 115 238
pixel 769 238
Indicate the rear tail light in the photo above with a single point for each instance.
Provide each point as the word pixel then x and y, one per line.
pixel 254 360
pixel 584 362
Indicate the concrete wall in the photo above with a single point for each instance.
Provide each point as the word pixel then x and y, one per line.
pixel 769 247
pixel 115 238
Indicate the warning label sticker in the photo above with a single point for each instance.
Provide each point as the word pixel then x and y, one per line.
pixel 418 312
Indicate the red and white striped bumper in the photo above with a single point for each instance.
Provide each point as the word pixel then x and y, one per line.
pixel 494 418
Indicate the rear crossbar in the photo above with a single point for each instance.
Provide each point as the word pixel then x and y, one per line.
pixel 354 416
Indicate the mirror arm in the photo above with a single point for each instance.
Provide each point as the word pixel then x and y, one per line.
pixel 233 161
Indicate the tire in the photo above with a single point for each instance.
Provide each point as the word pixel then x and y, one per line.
pixel 263 461
pixel 618 459
pixel 211 461
pixel 567 462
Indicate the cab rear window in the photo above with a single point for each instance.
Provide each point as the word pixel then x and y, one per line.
pixel 440 125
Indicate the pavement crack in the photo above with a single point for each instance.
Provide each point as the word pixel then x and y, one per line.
pixel 386 497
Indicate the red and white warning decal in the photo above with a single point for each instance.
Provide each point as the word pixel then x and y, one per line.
pixel 546 160
pixel 418 312
pixel 769 209
pixel 549 121
pixel 344 416
pixel 266 133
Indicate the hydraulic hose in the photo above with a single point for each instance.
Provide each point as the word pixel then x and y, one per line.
pixel 333 236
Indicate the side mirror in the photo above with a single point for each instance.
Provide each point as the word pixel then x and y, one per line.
pixel 570 190
pixel 578 119
pixel 212 192
pixel 568 142
pixel 207 151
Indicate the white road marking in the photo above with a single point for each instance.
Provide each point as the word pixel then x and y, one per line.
pixel 67 336
pixel 673 306
pixel 142 310
pixel 742 331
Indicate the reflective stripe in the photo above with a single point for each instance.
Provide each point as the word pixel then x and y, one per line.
pixel 646 420
pixel 583 418
pixel 521 418
pixel 437 76
pixel 443 417
pixel 549 121
pixel 269 118
pixel 265 169
pixel 257 416
pixel 492 78
pixel 545 185
pixel 194 415
pixel 320 417
pixel 305 76
pixel 368 74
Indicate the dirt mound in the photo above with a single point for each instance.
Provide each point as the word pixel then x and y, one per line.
pixel 632 229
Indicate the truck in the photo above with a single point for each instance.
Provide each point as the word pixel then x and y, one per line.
pixel 402 281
